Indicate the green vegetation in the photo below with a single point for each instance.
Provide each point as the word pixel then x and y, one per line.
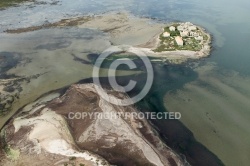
pixel 72 158
pixel 172 33
pixel 11 153
pixel 205 37
pixel 119 56
pixel 169 43
pixel 8 3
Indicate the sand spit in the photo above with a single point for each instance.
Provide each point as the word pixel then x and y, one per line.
pixel 45 129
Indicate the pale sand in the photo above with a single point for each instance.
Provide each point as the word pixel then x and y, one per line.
pixel 125 29
pixel 57 139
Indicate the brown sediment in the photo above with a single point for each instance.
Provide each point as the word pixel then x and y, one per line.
pixel 102 146
pixel 119 140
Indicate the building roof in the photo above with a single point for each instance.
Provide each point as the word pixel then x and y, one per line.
pixel 172 28
pixel 179 40
pixel 166 34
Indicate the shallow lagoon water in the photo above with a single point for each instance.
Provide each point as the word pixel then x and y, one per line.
pixel 50 60
pixel 215 107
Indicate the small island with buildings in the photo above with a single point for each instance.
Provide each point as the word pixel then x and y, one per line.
pixel 183 36
pixel 178 42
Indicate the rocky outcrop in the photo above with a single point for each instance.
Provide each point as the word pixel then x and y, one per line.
pixel 64 132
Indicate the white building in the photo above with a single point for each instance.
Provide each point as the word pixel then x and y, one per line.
pixel 184 33
pixel 192 28
pixel 194 34
pixel 179 40
pixel 199 38
pixel 180 28
pixel 172 28
pixel 166 34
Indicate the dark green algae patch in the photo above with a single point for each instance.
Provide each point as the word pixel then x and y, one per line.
pixel 9 3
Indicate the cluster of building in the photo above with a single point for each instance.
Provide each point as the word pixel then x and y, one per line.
pixel 186 30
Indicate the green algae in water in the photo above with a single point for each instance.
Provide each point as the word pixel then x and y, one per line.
pixel 8 3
